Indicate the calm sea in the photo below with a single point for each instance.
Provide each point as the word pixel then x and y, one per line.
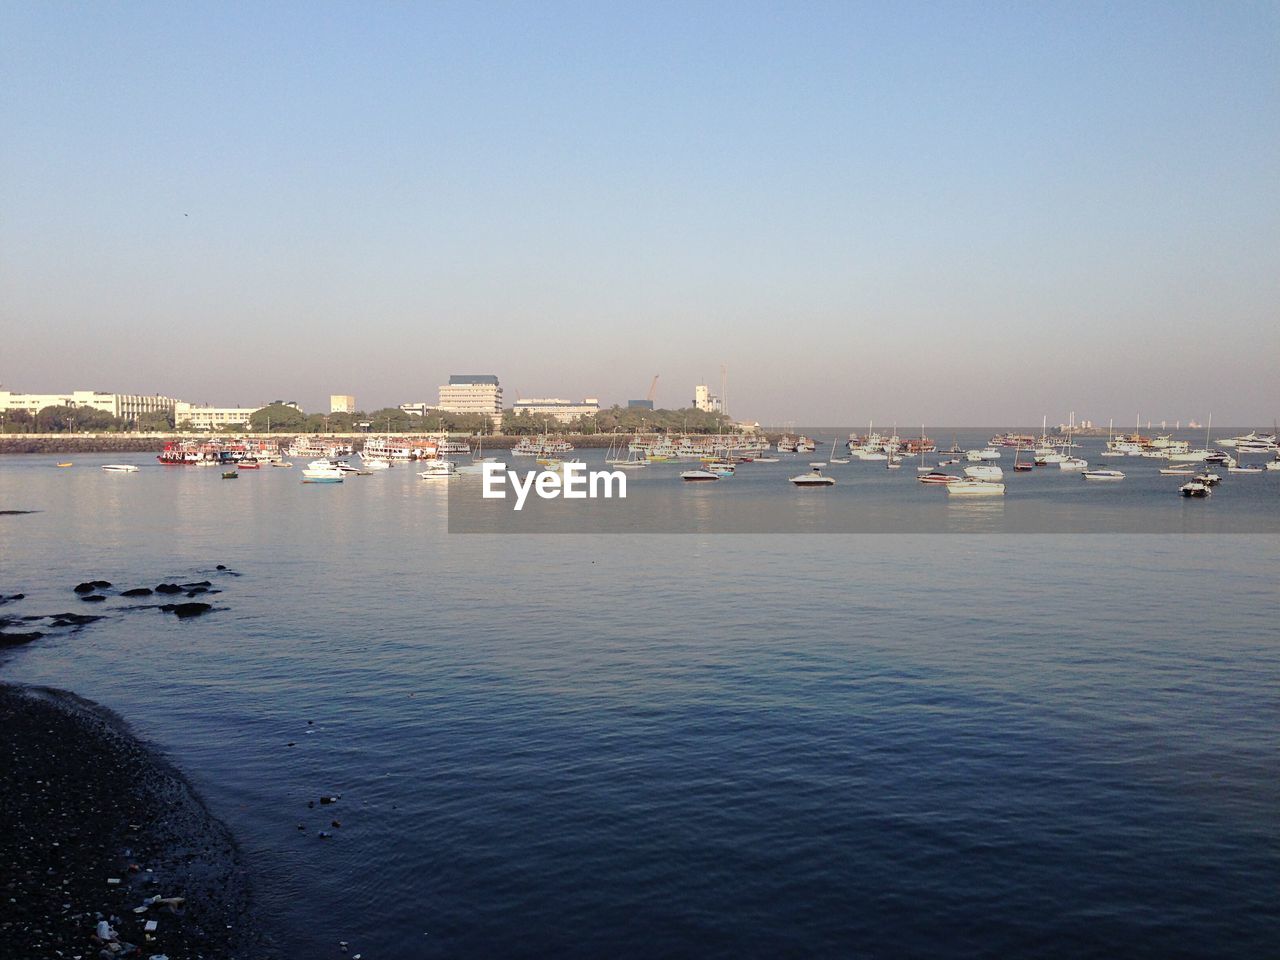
pixel 686 745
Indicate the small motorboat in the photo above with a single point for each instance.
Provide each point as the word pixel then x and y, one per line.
pixel 778 460
pixel 67 464
pixel 1024 466
pixel 1195 488
pixel 984 471
pixel 813 478
pixel 937 476
pixel 119 468
pixel 249 464
pixel 1073 463
pixel 1209 478
pixel 281 463
pixel 695 476
pixel 439 470
pixel 371 465
pixel 326 474
pixel 1102 475
pixel 230 475
pixel 974 487
pixel 1245 468
pixel 1186 471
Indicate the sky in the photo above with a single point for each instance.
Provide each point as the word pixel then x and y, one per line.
pixel 951 213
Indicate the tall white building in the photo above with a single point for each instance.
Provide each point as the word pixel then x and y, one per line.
pixel 473 393
pixel 704 399
pixel 127 406
pixel 341 403
pixel 563 411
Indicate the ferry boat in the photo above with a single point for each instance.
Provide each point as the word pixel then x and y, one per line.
pixel 543 446
pixel 180 453
pixel 454 448
pixel 1010 439
pixel 399 449
pixel 787 444
pixel 315 448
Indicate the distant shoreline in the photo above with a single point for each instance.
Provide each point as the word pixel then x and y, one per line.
pixel 52 443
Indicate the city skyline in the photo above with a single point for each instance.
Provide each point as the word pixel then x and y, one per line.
pixel 894 214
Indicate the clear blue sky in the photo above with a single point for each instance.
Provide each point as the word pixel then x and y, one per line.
pixel 948 212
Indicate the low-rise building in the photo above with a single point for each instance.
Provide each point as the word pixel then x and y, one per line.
pixel 473 393
pixel 563 411
pixel 415 409
pixel 126 406
pixel 203 418
pixel 342 403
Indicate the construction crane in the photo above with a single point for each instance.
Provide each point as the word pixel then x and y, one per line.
pixel 653 388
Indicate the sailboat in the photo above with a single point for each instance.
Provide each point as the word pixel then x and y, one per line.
pixel 923 468
pixel 832 458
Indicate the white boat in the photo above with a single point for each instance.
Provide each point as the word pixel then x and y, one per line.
pixel 939 477
pixel 972 487
pixel 326 474
pixel 813 478
pixel 1102 475
pixel 1073 463
pixel 119 468
pixel 1244 468
pixel 773 460
pixel 1185 471
pixel 1194 488
pixel 376 464
pixel 476 468
pixel 975 456
pixel 439 470
pixel 1208 478
pixel 984 471
pixel 696 476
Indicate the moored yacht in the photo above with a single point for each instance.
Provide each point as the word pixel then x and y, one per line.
pixel 813 478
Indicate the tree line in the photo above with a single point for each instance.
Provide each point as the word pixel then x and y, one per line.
pixel 282 418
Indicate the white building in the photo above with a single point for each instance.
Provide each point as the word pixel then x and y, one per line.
pixel 204 418
pixel 562 410
pixel 704 399
pixel 415 409
pixel 126 406
pixel 341 403
pixel 473 393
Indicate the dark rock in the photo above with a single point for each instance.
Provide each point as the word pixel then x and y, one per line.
pixel 86 587
pixel 93 598
pixel 72 619
pixel 102 584
pixel 168 588
pixel 11 597
pixel 16 639
pixel 220 566
pixel 137 592
pixel 197 585
pixel 185 610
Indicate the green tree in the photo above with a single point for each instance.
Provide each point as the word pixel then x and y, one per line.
pixel 155 421
pixel 281 418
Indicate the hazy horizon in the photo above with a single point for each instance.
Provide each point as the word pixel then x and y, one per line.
pixel 900 213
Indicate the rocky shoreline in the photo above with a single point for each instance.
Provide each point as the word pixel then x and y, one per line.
pixel 109 852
